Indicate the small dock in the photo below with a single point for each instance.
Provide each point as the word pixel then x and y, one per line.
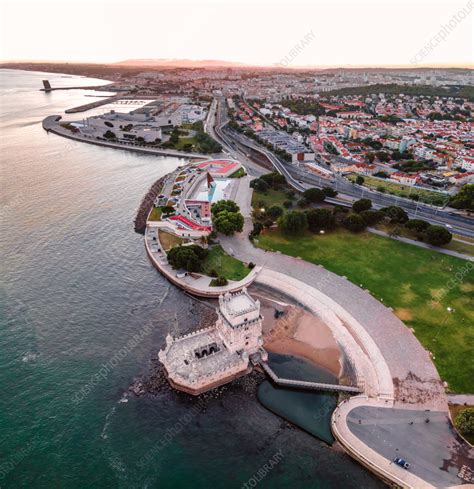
pixel 303 384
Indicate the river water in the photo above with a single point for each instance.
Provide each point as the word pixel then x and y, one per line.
pixel 76 287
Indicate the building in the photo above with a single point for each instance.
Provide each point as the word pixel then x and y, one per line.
pixel 208 358
pixel 405 178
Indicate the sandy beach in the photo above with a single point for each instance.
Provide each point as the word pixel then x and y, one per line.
pixel 298 332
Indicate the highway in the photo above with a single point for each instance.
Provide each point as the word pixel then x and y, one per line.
pixel 235 143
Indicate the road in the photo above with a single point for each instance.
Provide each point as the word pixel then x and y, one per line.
pixel 234 144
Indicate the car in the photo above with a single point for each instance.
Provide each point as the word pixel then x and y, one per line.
pixel 449 226
pixel 402 463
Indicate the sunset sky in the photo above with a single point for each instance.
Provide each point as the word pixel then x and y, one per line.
pixel 344 33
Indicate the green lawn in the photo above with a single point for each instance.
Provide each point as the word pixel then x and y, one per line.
pixel 238 174
pixel 155 214
pixel 460 247
pixel 169 241
pixel 271 197
pixel 408 279
pixel 224 264
pixel 393 188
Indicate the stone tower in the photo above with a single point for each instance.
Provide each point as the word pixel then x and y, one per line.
pixel 239 322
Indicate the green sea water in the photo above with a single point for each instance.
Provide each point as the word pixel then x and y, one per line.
pixel 76 288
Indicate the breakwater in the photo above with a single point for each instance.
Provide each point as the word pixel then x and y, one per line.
pixel 147 204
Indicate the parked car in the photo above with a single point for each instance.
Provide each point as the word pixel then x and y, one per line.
pixel 402 463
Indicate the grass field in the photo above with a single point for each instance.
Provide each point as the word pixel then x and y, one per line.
pixel 460 247
pixel 169 241
pixel 272 197
pixel 402 190
pixel 224 264
pixel 155 214
pixel 409 279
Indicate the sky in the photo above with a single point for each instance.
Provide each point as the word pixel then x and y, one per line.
pixel 258 32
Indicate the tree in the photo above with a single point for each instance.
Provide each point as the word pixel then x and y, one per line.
pixel 293 223
pixel 382 156
pixel 167 209
pixel 360 180
pixel 220 281
pixel 465 421
pixel 109 135
pixel 329 192
pixel 227 222
pixel 275 212
pixel 396 214
pixel 224 205
pixel 174 138
pixel 438 235
pixel 370 157
pixel 464 199
pixel 314 195
pixel 361 205
pixel 371 217
pixel 320 219
pixel 287 204
pixel 259 185
pixel 417 225
pixel 274 179
pixel 354 223
pixel 188 257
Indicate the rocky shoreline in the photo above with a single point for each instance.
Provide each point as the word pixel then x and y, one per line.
pixel 147 204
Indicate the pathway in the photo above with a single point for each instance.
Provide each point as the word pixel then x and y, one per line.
pixel 413 242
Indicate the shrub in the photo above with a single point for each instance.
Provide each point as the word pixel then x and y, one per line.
pixel 464 421
pixel 268 223
pixel 361 205
pixel 251 265
pixel 354 223
pixel 287 204
pixel 438 235
pixel 257 228
pixel 220 281
pixel 293 223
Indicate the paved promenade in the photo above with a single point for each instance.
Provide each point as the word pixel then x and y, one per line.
pixel 398 375
pixel 416 381
pixel 52 124
pixel 195 284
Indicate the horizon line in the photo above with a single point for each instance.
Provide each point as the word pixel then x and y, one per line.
pixel 236 64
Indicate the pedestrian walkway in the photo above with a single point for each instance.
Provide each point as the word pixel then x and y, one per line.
pixel 413 242
pixel 304 384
